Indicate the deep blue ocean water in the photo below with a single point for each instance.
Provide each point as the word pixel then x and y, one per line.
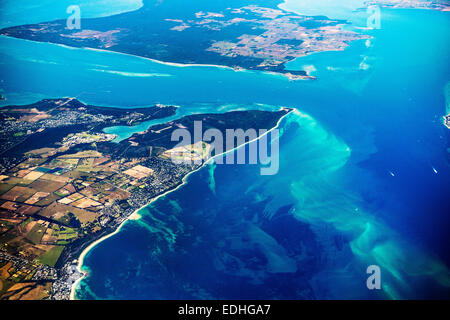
pixel 364 174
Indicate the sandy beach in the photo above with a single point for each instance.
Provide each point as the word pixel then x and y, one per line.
pixel 136 216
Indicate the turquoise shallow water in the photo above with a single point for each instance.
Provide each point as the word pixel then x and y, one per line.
pixel 356 184
pixel 304 234
pixel 23 12
pixel 350 10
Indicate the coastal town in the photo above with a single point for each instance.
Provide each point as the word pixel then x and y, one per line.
pixel 56 197
pixel 51 199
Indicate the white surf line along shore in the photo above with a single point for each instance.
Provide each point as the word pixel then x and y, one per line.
pixel 136 216
pixel 172 64
pixel 184 65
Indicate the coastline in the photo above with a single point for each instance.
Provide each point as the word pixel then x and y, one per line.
pixel 323 98
pixel 287 75
pixel 135 215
